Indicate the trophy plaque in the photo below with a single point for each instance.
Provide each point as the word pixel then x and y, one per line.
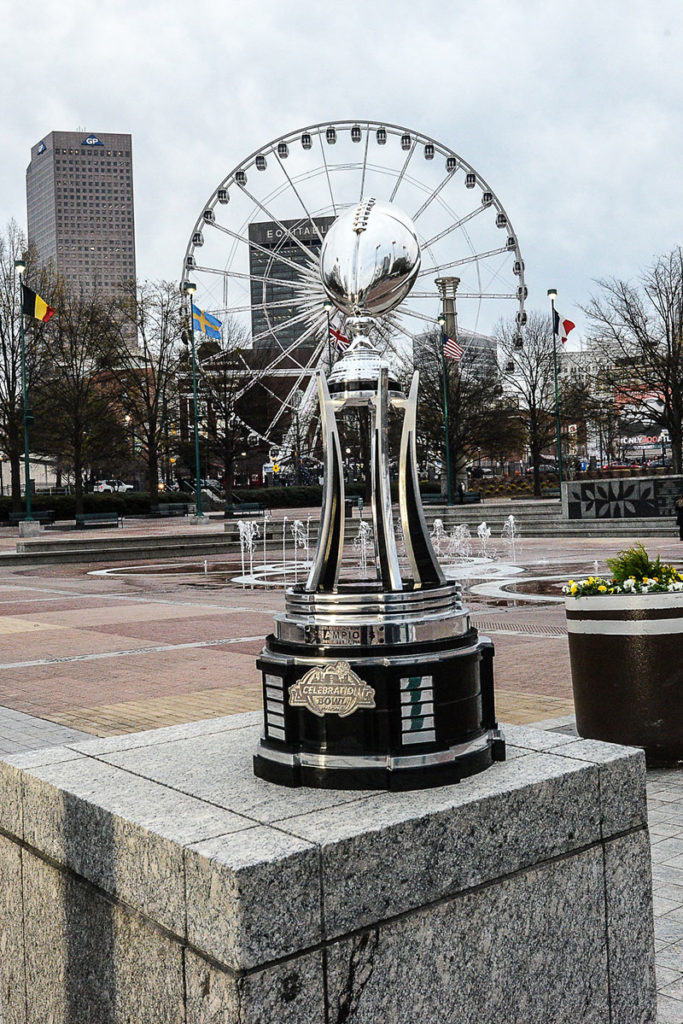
pixel 378 683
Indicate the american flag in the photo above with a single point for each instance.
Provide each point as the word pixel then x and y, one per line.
pixel 452 349
pixel 341 342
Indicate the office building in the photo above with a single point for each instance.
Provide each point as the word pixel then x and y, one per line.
pixel 79 192
pixel 268 242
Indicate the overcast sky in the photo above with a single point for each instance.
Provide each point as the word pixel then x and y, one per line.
pixel 571 110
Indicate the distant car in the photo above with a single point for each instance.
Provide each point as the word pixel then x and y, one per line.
pixel 108 486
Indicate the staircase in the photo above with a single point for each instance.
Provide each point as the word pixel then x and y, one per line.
pixel 544 519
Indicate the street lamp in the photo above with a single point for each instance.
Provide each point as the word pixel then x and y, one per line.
pixel 296 405
pixel 128 420
pixel 552 295
pixel 329 308
pixel 20 267
pixel 189 288
pixel 441 320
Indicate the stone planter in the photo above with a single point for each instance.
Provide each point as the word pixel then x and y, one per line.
pixel 626 656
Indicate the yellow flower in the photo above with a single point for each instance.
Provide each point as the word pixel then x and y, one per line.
pixel 602 590
pixel 573 588
pixel 645 579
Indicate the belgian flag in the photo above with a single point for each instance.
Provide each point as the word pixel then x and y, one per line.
pixel 34 306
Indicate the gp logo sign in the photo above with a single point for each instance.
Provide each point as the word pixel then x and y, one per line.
pixel 92 140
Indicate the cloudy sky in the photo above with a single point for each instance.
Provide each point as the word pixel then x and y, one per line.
pixel 569 108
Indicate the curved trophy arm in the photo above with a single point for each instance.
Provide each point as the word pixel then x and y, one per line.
pixel 328 554
pixel 386 552
pixel 423 561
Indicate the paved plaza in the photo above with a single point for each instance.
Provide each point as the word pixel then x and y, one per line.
pixel 100 649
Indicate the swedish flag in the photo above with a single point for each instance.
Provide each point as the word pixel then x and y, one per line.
pixel 209 325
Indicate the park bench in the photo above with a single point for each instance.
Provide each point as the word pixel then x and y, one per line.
pixel 466 498
pixel 43 515
pixel 244 508
pixel 84 520
pixel 171 508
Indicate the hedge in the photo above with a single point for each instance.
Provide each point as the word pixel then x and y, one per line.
pixel 132 503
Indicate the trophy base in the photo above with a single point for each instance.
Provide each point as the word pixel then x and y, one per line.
pixel 397 774
pixel 392 692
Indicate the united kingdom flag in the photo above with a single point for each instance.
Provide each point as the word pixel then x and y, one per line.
pixel 341 342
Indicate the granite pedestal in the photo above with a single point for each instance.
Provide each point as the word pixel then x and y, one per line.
pixel 152 878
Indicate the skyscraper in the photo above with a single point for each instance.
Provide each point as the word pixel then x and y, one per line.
pixel 269 241
pixel 79 192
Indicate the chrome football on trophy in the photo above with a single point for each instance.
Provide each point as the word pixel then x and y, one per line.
pixel 383 683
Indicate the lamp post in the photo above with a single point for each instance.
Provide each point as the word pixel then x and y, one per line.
pixel 447 434
pixel 552 295
pixel 189 288
pixel 20 267
pixel 296 404
pixel 328 307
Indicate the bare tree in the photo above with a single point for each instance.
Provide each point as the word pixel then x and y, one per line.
pixel 224 367
pixel 530 378
pixel 147 373
pixel 76 399
pixel 13 247
pixel 474 393
pixel 638 328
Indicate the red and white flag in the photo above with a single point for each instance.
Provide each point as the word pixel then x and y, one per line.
pixel 341 342
pixel 562 327
pixel 452 349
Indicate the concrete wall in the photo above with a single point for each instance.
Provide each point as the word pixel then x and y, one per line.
pixel 641 497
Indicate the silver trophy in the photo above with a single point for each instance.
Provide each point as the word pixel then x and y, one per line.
pixel 377 683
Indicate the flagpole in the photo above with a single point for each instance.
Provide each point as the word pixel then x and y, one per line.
pixel 190 288
pixel 449 481
pixel 21 267
pixel 552 295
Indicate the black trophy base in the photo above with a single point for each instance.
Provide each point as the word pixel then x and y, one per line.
pixel 293 773
pixel 383 717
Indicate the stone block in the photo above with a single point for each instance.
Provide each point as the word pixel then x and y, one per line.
pixel 153 878
pixel 395 852
pixel 536 739
pixel 12 770
pixel 32 528
pixel 485 956
pixel 183 765
pixel 89 961
pixel 289 993
pixel 123 833
pixel 167 734
pixel 253 896
pixel 623 803
pixel 13 985
pixel 630 929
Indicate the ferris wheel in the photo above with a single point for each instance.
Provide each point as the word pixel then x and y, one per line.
pixel 254 250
